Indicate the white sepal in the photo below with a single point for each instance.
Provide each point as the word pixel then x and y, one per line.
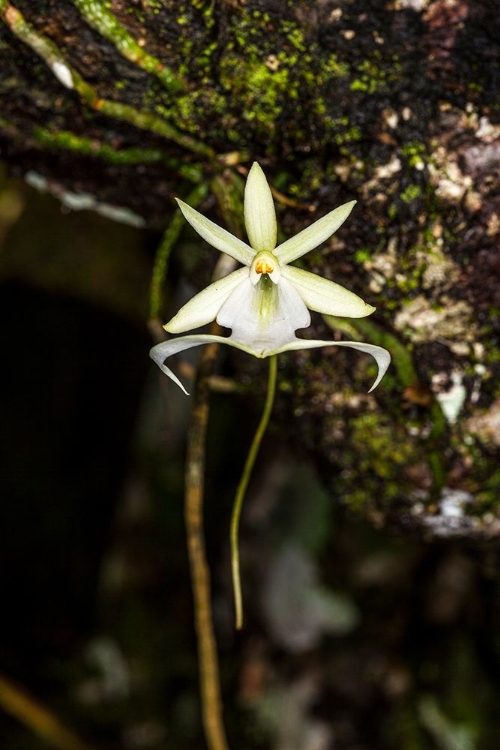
pixel 217 236
pixel 314 235
pixel 380 355
pixel 205 305
pixel 324 296
pixel 260 216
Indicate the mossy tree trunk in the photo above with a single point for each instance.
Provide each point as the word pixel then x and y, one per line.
pixel 120 106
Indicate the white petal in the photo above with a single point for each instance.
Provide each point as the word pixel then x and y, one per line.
pixel 264 319
pixel 324 296
pixel 314 235
pixel 203 307
pixel 292 307
pixel 381 356
pixel 260 216
pixel 238 311
pixel 161 352
pixel 217 236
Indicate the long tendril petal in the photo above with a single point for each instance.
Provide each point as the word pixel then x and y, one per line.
pixel 242 488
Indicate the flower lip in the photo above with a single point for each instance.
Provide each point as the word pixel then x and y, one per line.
pixel 265 263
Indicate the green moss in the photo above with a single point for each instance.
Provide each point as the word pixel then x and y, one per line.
pixel 360 85
pixel 54 58
pixel 376 76
pixel 488 497
pixel 406 376
pixel 378 450
pixel 263 92
pixel 294 35
pixel 411 193
pixel 415 152
pixel 148 121
pixel 392 211
pixel 362 255
pixel 98 15
pixel 332 67
pixel 154 5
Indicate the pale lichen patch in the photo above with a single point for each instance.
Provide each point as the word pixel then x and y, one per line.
pixel 451 519
pixel 447 177
pixel 439 270
pixel 452 324
pixel 486 427
pixel 452 400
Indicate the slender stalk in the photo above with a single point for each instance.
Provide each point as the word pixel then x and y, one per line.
pixel 19 703
pixel 242 488
pixel 211 703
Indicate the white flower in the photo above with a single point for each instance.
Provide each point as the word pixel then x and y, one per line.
pixel 267 300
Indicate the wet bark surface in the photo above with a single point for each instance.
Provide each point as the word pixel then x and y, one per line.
pixel 396 106
pixel 118 109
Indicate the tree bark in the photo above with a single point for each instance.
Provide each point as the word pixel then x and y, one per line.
pixel 121 106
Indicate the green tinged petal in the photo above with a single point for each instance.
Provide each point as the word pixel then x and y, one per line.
pixel 260 216
pixel 314 235
pixel 217 236
pixel 203 307
pixel 324 296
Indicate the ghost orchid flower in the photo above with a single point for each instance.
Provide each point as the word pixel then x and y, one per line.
pixel 266 300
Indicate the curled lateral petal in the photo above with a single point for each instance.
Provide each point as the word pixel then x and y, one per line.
pixel 323 296
pixel 380 355
pixel 217 236
pixel 205 305
pixel 260 216
pixel 166 349
pixel 314 235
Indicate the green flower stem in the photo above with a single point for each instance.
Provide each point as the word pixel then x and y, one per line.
pixel 242 488
pixel 169 239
